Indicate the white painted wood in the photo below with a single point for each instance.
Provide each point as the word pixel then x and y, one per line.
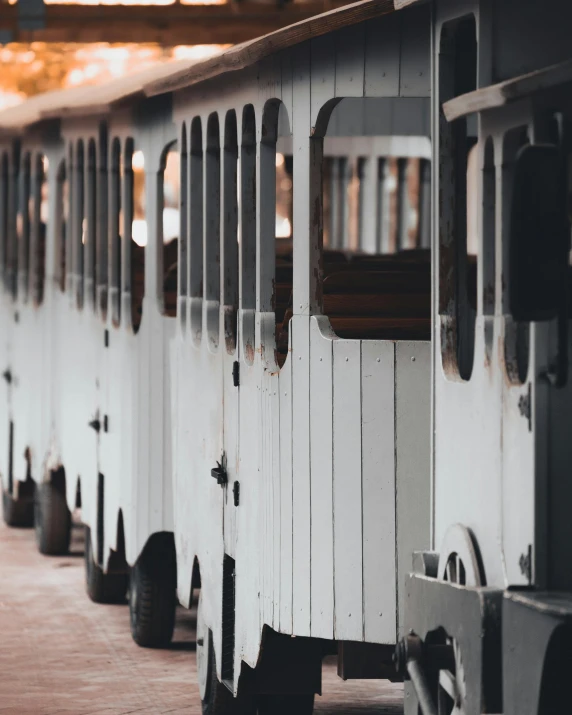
pixel 378 485
pixel 321 450
pixel 350 61
pixel 348 545
pixel 382 57
pixel 286 497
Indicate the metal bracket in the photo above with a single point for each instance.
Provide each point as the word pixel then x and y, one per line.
pixel 219 473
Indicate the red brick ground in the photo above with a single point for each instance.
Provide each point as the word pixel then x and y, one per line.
pixel 60 653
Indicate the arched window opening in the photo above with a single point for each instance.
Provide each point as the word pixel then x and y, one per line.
pixel 212 234
pixel 116 226
pixel 91 224
pixel 136 224
pixel 489 228
pixel 24 223
pixel 247 231
pixel 62 215
pixel 80 229
pixel 39 224
pixel 457 265
pixel 196 230
pixel 374 272
pixel 517 333
pixel 102 224
pixel 169 192
pixel 230 232
pixel 4 221
pixel 276 247
pixel 183 226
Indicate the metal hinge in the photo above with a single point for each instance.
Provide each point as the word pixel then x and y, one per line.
pixel 236 373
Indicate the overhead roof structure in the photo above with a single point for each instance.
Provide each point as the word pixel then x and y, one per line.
pixel 175 24
pixel 171 76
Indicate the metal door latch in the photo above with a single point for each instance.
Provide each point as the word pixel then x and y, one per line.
pixel 95 424
pixel 219 473
pixel 236 373
pixel 236 493
pixel 7 375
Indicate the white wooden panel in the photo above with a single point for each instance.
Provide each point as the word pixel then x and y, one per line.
pixel 299 325
pixel 286 497
pixel 415 76
pixel 382 56
pixel 323 74
pixel 347 490
pixel 378 483
pixel 350 58
pixel 413 450
pixel 321 430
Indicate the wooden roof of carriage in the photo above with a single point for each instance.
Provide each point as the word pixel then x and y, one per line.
pixel 171 76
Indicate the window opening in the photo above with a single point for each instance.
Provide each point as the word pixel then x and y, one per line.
pixel 116 227
pixel 170 197
pixel 212 233
pixel 183 261
pixel 196 230
pixel 39 223
pixel 457 280
pixel 90 231
pixel 102 223
pixel 135 209
pixel 374 274
pixel 276 253
pixel 62 225
pixel 489 229
pixel 230 232
pixel 517 333
pixel 247 234
pixel 4 180
pixel 80 223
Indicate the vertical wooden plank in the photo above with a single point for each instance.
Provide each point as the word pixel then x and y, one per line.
pixel 301 509
pixel 286 497
pixel 287 97
pixel 350 61
pixel 323 73
pixel 382 56
pixel 347 490
pixel 321 431
pixel 378 483
pixel 368 204
pixel 415 75
pixel 413 456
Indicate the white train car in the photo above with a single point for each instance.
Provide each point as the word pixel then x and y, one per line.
pixel 240 403
pixel 489 610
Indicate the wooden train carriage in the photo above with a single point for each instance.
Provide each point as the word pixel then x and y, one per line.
pixel 494 595
pixel 265 400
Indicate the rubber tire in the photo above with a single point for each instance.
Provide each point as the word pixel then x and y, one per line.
pixel 153 599
pixel 285 704
pixel 102 587
pixel 17 512
pixel 52 520
pixel 218 699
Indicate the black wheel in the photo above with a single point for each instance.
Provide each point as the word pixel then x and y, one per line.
pixel 102 587
pixel 215 696
pixel 285 704
pixel 18 512
pixel 153 596
pixel 52 519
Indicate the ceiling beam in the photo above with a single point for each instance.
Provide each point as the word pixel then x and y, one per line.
pixel 167 25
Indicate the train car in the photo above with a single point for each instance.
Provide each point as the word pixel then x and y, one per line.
pixel 488 609
pixel 216 343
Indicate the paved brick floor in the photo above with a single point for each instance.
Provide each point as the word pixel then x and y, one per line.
pixel 60 653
